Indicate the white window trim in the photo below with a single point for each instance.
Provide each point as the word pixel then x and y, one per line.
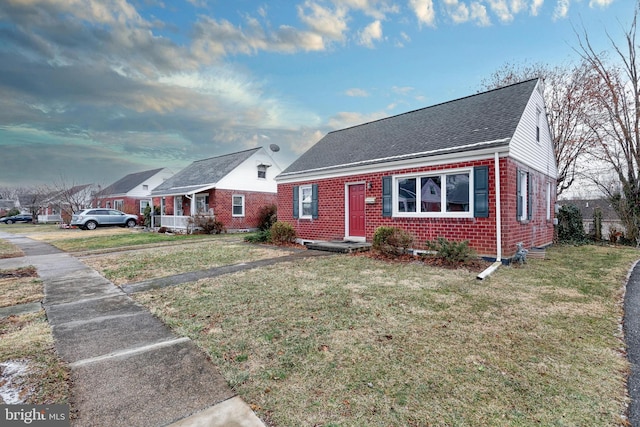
pixel 234 205
pixel 262 168
pixel 524 193
pixel 548 201
pixel 417 214
pixel 202 196
pixel 148 204
pixel 300 199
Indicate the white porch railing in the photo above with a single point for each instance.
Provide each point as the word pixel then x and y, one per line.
pixel 173 222
pixel 49 218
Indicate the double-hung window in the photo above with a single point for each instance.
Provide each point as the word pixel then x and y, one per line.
pixel 523 195
pixel 202 204
pixel 434 194
pixel 305 201
pixel 238 205
pixel 143 205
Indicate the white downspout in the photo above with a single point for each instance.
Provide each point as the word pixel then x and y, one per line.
pixel 496 162
pixel 493 267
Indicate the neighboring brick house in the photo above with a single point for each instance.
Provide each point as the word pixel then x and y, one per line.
pixel 433 173
pixel 132 194
pixel 232 188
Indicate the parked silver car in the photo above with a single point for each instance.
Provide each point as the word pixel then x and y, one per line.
pixel 90 219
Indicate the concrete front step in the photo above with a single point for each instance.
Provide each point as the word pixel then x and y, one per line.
pixel 340 246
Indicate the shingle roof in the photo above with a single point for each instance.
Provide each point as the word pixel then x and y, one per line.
pixel 482 120
pixel 588 206
pixel 202 173
pixel 128 183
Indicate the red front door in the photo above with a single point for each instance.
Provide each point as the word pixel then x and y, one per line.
pixel 356 210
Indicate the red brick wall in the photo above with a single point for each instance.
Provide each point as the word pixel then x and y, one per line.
pixel 481 232
pixel 221 201
pixel 536 232
pixel 131 205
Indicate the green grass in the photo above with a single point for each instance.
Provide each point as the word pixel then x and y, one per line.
pixel 120 239
pixel 348 340
pixel 129 267
pixel 23 228
pixel 9 250
pixel 28 339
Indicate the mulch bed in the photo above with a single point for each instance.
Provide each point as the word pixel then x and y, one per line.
pixel 475 265
pixel 19 272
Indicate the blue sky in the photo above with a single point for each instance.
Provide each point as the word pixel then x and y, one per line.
pixel 91 90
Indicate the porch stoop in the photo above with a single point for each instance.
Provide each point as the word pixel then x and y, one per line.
pixel 339 246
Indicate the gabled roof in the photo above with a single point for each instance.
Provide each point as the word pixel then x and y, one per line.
pixel 483 120
pixel 128 183
pixel 202 174
pixel 587 208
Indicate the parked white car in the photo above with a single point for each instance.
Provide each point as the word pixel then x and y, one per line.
pixel 90 219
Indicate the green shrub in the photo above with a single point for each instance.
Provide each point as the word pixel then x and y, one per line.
pixel 261 236
pixel 392 240
pixel 267 216
pixel 282 233
pixel 451 251
pixel 570 228
pixel 13 211
pixel 205 224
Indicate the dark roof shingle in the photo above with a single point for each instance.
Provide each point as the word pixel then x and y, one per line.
pixel 485 119
pixel 128 183
pixel 202 173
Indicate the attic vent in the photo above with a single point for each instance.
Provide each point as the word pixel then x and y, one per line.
pixel 262 171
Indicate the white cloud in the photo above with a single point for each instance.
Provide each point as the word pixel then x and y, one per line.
pixel 370 33
pixel 402 90
pixel 218 38
pixel 377 9
pixel 328 23
pixel 348 119
pixel 600 3
pixel 355 92
pixel 423 9
pixel 479 14
pixel 458 12
pixel 561 10
pixel 501 8
pixel 535 7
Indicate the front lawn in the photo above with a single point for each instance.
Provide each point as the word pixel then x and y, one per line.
pixel 143 264
pixel 350 340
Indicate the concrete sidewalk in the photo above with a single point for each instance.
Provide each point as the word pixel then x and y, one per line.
pixel 127 368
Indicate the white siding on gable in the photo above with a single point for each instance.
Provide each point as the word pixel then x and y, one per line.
pixel 245 176
pixel 524 146
pixel 152 183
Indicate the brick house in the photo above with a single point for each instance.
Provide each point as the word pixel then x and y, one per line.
pixel 232 188
pixel 479 168
pixel 132 194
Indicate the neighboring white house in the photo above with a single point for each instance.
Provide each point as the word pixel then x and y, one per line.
pixel 232 188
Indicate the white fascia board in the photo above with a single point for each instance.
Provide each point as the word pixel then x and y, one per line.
pixel 515 156
pixel 177 192
pixel 482 154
